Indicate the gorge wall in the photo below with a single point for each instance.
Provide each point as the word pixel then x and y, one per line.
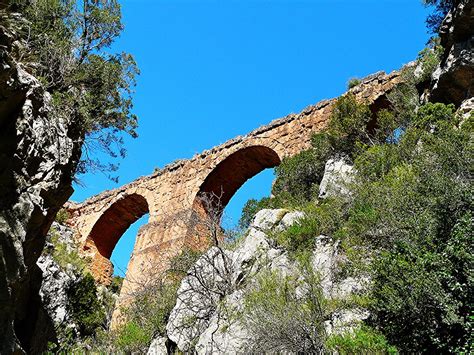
pixel 38 157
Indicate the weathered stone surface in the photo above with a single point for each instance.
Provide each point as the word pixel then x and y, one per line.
pixel 337 175
pixel 452 81
pixel 203 313
pixel 38 156
pixel 466 108
pixel 175 189
pixel 210 286
pixel 53 289
pixel 158 347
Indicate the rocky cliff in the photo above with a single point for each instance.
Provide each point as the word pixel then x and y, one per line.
pixel 452 81
pixel 38 157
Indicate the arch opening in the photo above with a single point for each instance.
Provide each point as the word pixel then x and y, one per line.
pixel 107 231
pixel 230 174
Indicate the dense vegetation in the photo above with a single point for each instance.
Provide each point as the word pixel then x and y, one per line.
pixel 407 221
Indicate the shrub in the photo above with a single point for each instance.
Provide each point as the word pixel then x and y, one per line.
pixel 147 316
pixel 429 59
pixel 353 82
pixel 362 340
pixel 282 320
pixel 65 256
pixel 348 125
pixel 410 207
pixel 62 216
pixel 298 174
pixel 321 219
pixel 116 284
pixel 84 305
pixel 133 338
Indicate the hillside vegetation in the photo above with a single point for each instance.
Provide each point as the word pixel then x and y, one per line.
pixel 407 221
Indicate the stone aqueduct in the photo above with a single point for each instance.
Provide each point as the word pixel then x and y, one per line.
pixel 100 221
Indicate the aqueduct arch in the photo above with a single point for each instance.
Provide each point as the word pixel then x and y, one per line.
pixel 107 231
pixel 174 188
pixel 233 171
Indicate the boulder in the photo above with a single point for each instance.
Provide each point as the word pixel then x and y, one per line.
pixel 158 346
pixel 337 175
pixel 466 108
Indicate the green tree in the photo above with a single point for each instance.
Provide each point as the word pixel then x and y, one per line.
pixel 67 46
pixel 441 9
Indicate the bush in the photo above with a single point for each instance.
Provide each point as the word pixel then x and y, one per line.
pixel 280 319
pixel 411 207
pixel 348 125
pixel 84 305
pixel 353 82
pixel 321 219
pixel 62 216
pixel 64 256
pixel 298 174
pixel 363 340
pixel 116 284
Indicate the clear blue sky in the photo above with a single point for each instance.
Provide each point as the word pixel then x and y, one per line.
pixel 212 70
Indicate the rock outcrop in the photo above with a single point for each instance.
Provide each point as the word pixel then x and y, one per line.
pixel 38 156
pixel 452 81
pixel 219 280
pixel 337 175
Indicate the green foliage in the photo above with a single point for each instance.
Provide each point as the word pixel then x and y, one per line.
pixel 429 59
pixel 297 175
pixel 67 44
pixel 133 338
pixel 320 219
pixel 407 223
pixel 441 9
pixel 64 256
pixel 147 315
pixel 412 205
pixel 281 319
pixel 432 115
pixel 353 82
pixel 116 284
pixel 362 340
pixel 62 216
pixel 84 306
pixel 348 125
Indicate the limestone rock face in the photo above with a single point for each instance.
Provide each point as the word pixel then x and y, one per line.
pixel 158 347
pixel 466 108
pixel 38 156
pixel 215 287
pixel 56 279
pixel 53 289
pixel 452 82
pixel 337 174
